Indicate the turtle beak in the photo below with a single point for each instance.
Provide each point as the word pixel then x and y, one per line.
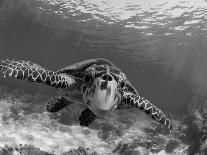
pixel 103 85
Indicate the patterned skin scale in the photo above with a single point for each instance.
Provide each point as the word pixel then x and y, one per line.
pixel 32 72
pixel 144 104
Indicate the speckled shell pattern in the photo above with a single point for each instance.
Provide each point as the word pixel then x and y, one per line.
pixel 144 104
pixel 31 72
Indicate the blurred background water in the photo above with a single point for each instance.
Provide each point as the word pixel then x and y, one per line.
pixel 161 45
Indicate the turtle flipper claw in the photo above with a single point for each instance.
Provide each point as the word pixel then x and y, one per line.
pixel 56 104
pixel 87 117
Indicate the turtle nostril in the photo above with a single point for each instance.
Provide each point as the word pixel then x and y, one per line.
pixel 110 78
pixel 107 77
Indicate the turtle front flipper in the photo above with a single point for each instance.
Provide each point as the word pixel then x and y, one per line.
pixel 57 103
pixel 32 72
pixel 87 117
pixel 144 104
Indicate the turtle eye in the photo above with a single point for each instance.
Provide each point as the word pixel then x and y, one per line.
pixel 110 78
pixel 122 84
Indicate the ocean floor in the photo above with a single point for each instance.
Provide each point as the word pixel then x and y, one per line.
pixel 26 128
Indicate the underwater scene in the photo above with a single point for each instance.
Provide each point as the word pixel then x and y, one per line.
pixel 161 46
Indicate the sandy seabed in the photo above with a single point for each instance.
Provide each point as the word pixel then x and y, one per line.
pixel 27 128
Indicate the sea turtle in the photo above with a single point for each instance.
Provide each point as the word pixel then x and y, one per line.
pixel 97 83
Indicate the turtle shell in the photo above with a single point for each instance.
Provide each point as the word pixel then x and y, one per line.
pixel 77 70
pixel 81 66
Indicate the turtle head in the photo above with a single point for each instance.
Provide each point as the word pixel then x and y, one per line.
pixel 100 91
pixel 106 93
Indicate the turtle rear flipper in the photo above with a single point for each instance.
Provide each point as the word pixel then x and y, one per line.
pixel 57 103
pixel 145 105
pixel 32 72
pixel 87 117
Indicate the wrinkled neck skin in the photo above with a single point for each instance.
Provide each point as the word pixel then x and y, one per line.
pixel 102 96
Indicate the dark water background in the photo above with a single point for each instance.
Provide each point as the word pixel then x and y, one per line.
pixel 161 45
